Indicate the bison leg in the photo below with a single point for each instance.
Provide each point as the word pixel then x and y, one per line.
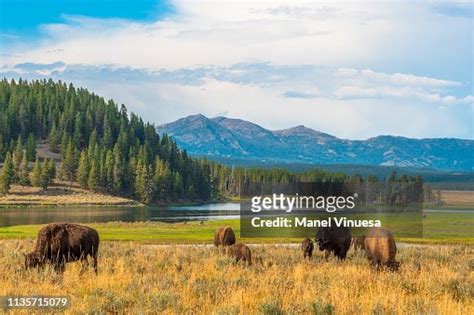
pixel 326 255
pixel 85 264
pixel 341 255
pixel 94 264
pixel 60 267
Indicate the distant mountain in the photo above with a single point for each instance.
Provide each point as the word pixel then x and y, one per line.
pixel 236 139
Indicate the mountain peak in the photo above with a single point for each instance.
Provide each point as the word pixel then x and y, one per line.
pixel 302 130
pixel 230 138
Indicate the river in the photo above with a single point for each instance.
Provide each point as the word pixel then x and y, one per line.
pixel 42 215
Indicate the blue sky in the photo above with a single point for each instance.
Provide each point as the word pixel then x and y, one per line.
pixel 353 69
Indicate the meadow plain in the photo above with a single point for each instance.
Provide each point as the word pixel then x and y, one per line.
pixel 438 228
pixel 172 268
pixel 137 278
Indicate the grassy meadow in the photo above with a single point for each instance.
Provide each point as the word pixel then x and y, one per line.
pixel 183 279
pixel 438 228
pixel 171 268
pixel 59 194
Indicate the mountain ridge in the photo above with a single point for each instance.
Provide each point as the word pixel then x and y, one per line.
pixel 236 138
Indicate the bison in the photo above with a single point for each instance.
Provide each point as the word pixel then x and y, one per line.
pixel 240 252
pixel 381 249
pixel 307 247
pixel 358 242
pixel 224 236
pixel 335 240
pixel 59 243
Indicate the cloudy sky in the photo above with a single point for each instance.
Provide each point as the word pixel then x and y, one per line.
pixel 352 69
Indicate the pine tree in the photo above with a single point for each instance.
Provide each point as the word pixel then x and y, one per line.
pixel 24 176
pixel 78 137
pixel 17 155
pixel 177 185
pixel 35 177
pixel 138 185
pixel 45 177
pixel 2 148
pixel 6 176
pixel 148 189
pixel 107 141
pixel 159 179
pixel 109 171
pixel 118 171
pixel 68 165
pixel 83 170
pixel 51 170
pixel 54 139
pixel 31 148
pixel 93 179
pixel 144 184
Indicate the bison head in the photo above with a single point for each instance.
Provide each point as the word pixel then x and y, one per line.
pixel 394 265
pixel 32 260
pixel 323 239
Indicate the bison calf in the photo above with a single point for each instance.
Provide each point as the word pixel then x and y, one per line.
pixel 59 243
pixel 381 249
pixel 224 236
pixel 307 246
pixel 240 252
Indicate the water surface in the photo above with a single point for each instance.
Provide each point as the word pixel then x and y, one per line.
pixel 42 215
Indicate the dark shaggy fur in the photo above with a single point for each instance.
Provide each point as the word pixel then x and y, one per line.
pixel 358 242
pixel 224 236
pixel 240 252
pixel 59 243
pixel 307 246
pixel 381 249
pixel 335 240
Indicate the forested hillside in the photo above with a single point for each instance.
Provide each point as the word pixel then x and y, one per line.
pixel 105 148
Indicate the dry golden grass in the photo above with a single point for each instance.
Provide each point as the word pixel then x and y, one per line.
pixel 60 194
pixel 457 197
pixel 141 279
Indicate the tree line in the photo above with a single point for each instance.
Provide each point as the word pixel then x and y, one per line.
pixel 105 148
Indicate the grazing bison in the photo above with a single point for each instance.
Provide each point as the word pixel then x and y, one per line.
pixel 224 236
pixel 358 242
pixel 59 243
pixel 381 249
pixel 307 247
pixel 335 240
pixel 240 252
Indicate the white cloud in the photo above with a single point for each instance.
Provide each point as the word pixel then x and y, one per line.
pixel 225 33
pixel 352 69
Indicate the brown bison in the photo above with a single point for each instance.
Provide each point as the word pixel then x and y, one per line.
pixel 59 243
pixel 224 236
pixel 358 242
pixel 381 249
pixel 240 252
pixel 335 240
pixel 307 247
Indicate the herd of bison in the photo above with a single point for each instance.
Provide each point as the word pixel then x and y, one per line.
pixel 59 243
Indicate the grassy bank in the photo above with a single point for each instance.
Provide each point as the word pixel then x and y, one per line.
pixel 60 194
pixel 144 279
pixel 443 228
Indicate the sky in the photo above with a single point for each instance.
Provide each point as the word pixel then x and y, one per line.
pixel 352 69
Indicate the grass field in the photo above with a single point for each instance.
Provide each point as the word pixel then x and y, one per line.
pixel 136 279
pixel 60 194
pixel 444 228
pixel 460 198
